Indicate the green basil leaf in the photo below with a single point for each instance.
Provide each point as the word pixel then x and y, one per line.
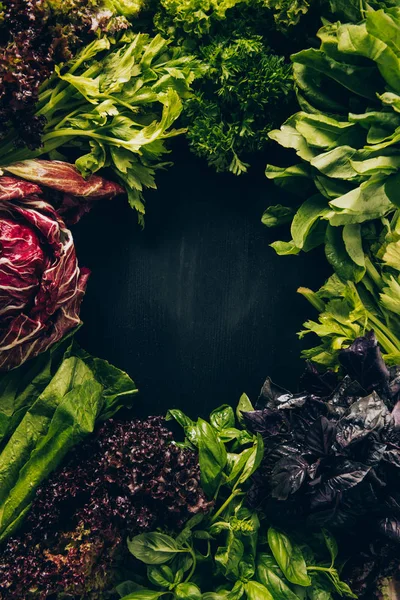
pixel 144 595
pixel 244 405
pixel 254 459
pixel 227 435
pixel 153 548
pixel 127 587
pixel 256 591
pixel 289 557
pixel 247 568
pixel 187 591
pixel 222 417
pixel 212 457
pixel 237 591
pixel 185 422
pixel 221 595
pixel 274 584
pixel 228 557
pixel 331 545
pixel 160 576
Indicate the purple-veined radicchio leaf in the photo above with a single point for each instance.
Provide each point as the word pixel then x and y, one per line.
pixel 79 193
pixel 41 284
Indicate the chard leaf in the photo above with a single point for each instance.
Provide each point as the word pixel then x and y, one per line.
pixel 74 417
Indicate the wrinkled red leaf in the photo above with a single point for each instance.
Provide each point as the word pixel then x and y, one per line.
pixel 41 285
pixel 66 178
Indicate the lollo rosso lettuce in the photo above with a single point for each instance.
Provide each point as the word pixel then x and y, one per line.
pixel 41 284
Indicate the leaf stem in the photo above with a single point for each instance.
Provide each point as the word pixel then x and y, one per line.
pixel 312 297
pixel 192 570
pixel 225 505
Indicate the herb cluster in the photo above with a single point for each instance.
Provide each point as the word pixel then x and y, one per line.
pixel 127 479
pixel 231 553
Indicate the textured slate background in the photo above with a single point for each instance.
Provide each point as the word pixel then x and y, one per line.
pixel 196 308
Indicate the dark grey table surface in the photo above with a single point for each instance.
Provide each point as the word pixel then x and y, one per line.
pixel 197 307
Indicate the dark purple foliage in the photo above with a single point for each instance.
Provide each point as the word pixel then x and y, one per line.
pixel 332 459
pixel 332 452
pixel 127 479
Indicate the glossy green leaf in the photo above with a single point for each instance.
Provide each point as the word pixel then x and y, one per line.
pixel 153 548
pixel 222 417
pixel 289 557
pixel 212 457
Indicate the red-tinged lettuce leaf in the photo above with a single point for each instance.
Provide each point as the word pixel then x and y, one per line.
pixel 41 284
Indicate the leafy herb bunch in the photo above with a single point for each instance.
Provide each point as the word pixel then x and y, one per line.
pixel 34 36
pixel 230 553
pixel 347 139
pixel 113 105
pixel 128 478
pixel 332 452
pixel 246 85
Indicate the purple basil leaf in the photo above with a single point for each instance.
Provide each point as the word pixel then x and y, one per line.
pixel 288 476
pixel 363 362
pixel 390 527
pixel 320 436
pixel 316 383
pixel 266 422
pixel 272 395
pixel 364 416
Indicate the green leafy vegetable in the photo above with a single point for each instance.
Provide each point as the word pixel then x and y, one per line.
pixel 50 419
pixel 114 104
pixel 221 555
